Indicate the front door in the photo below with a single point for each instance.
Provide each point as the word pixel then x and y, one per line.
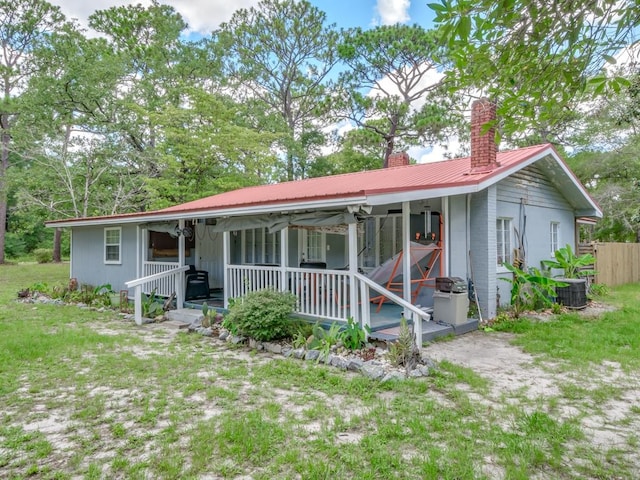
pixel 209 254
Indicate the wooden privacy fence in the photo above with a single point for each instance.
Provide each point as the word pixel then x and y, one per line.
pixel 616 263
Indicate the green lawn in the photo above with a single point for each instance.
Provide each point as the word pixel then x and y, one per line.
pixel 85 394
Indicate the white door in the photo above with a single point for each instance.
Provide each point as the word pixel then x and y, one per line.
pixel 209 254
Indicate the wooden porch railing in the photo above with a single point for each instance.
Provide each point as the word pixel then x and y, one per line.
pixel 321 293
pixel 417 315
pixel 163 286
pixel 140 283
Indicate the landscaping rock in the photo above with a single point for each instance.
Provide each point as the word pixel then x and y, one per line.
pixel 224 334
pixel 355 364
pixel 312 355
pixel 298 353
pixel 373 370
pixel 416 373
pixel 236 339
pixel 207 332
pixel 425 370
pixel 392 376
pixel 273 347
pixel 339 362
pixel 286 351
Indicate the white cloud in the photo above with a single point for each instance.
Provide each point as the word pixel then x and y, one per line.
pixel 393 11
pixel 201 15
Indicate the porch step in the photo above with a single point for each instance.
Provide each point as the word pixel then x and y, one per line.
pixel 430 330
pixel 185 315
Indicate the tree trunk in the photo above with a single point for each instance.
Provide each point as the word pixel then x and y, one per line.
pixel 4 164
pixel 57 238
pixel 390 139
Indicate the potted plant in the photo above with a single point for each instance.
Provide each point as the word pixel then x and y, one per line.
pixel 574 268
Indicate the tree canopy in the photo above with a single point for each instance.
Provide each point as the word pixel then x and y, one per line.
pixel 138 116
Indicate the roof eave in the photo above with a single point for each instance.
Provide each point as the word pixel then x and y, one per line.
pixel 209 213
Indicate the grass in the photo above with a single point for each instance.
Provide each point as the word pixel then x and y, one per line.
pixel 84 394
pixel 580 341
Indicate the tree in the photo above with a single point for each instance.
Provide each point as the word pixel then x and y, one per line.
pixel 281 53
pixel 536 59
pixel 608 147
pixel 394 85
pixel 23 25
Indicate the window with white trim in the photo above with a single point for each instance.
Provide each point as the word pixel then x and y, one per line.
pixel 503 240
pixel 260 246
pixel 112 245
pixel 554 235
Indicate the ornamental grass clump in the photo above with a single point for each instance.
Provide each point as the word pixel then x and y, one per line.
pixel 263 315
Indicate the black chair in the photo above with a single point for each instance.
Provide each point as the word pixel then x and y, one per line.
pixel 197 284
pixel 316 265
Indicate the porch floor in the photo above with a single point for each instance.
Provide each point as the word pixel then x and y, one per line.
pixel 385 324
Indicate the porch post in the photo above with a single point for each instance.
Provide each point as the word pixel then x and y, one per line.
pixel 284 257
pixel 406 256
pixel 180 276
pixel 353 269
pixel 445 233
pixel 138 252
pixel 226 257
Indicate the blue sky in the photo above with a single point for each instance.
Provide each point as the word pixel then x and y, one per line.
pixel 205 15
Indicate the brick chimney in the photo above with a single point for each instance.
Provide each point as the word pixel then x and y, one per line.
pixel 483 145
pixel 398 159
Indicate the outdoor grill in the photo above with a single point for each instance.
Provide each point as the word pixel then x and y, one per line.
pixel 451 284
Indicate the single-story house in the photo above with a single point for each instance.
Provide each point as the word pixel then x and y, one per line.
pixel 322 238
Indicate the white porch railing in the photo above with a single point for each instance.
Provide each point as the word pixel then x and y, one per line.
pixel 417 315
pixel 143 283
pixel 163 286
pixel 322 293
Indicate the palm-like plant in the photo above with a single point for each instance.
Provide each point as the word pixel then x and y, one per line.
pixel 572 265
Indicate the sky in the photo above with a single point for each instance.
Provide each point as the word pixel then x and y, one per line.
pixel 205 15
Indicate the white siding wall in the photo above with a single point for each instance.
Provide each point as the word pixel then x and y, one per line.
pixel 88 257
pixel 529 194
pixel 458 248
pixel 483 248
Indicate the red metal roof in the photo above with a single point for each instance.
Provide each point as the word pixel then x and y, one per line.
pixel 426 176
pixel 446 173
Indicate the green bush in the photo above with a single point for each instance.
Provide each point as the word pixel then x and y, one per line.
pixel 43 255
pixel 14 245
pixel 262 315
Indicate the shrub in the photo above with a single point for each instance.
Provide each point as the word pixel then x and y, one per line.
pixel 14 245
pixel 403 351
pixel 262 315
pixel 43 255
pixel 353 336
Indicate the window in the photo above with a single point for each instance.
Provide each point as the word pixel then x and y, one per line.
pixel 503 240
pixel 260 246
pixel 315 246
pixel 112 245
pixel 554 229
pixel 381 240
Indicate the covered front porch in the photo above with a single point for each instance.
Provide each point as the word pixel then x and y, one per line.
pixel 339 264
